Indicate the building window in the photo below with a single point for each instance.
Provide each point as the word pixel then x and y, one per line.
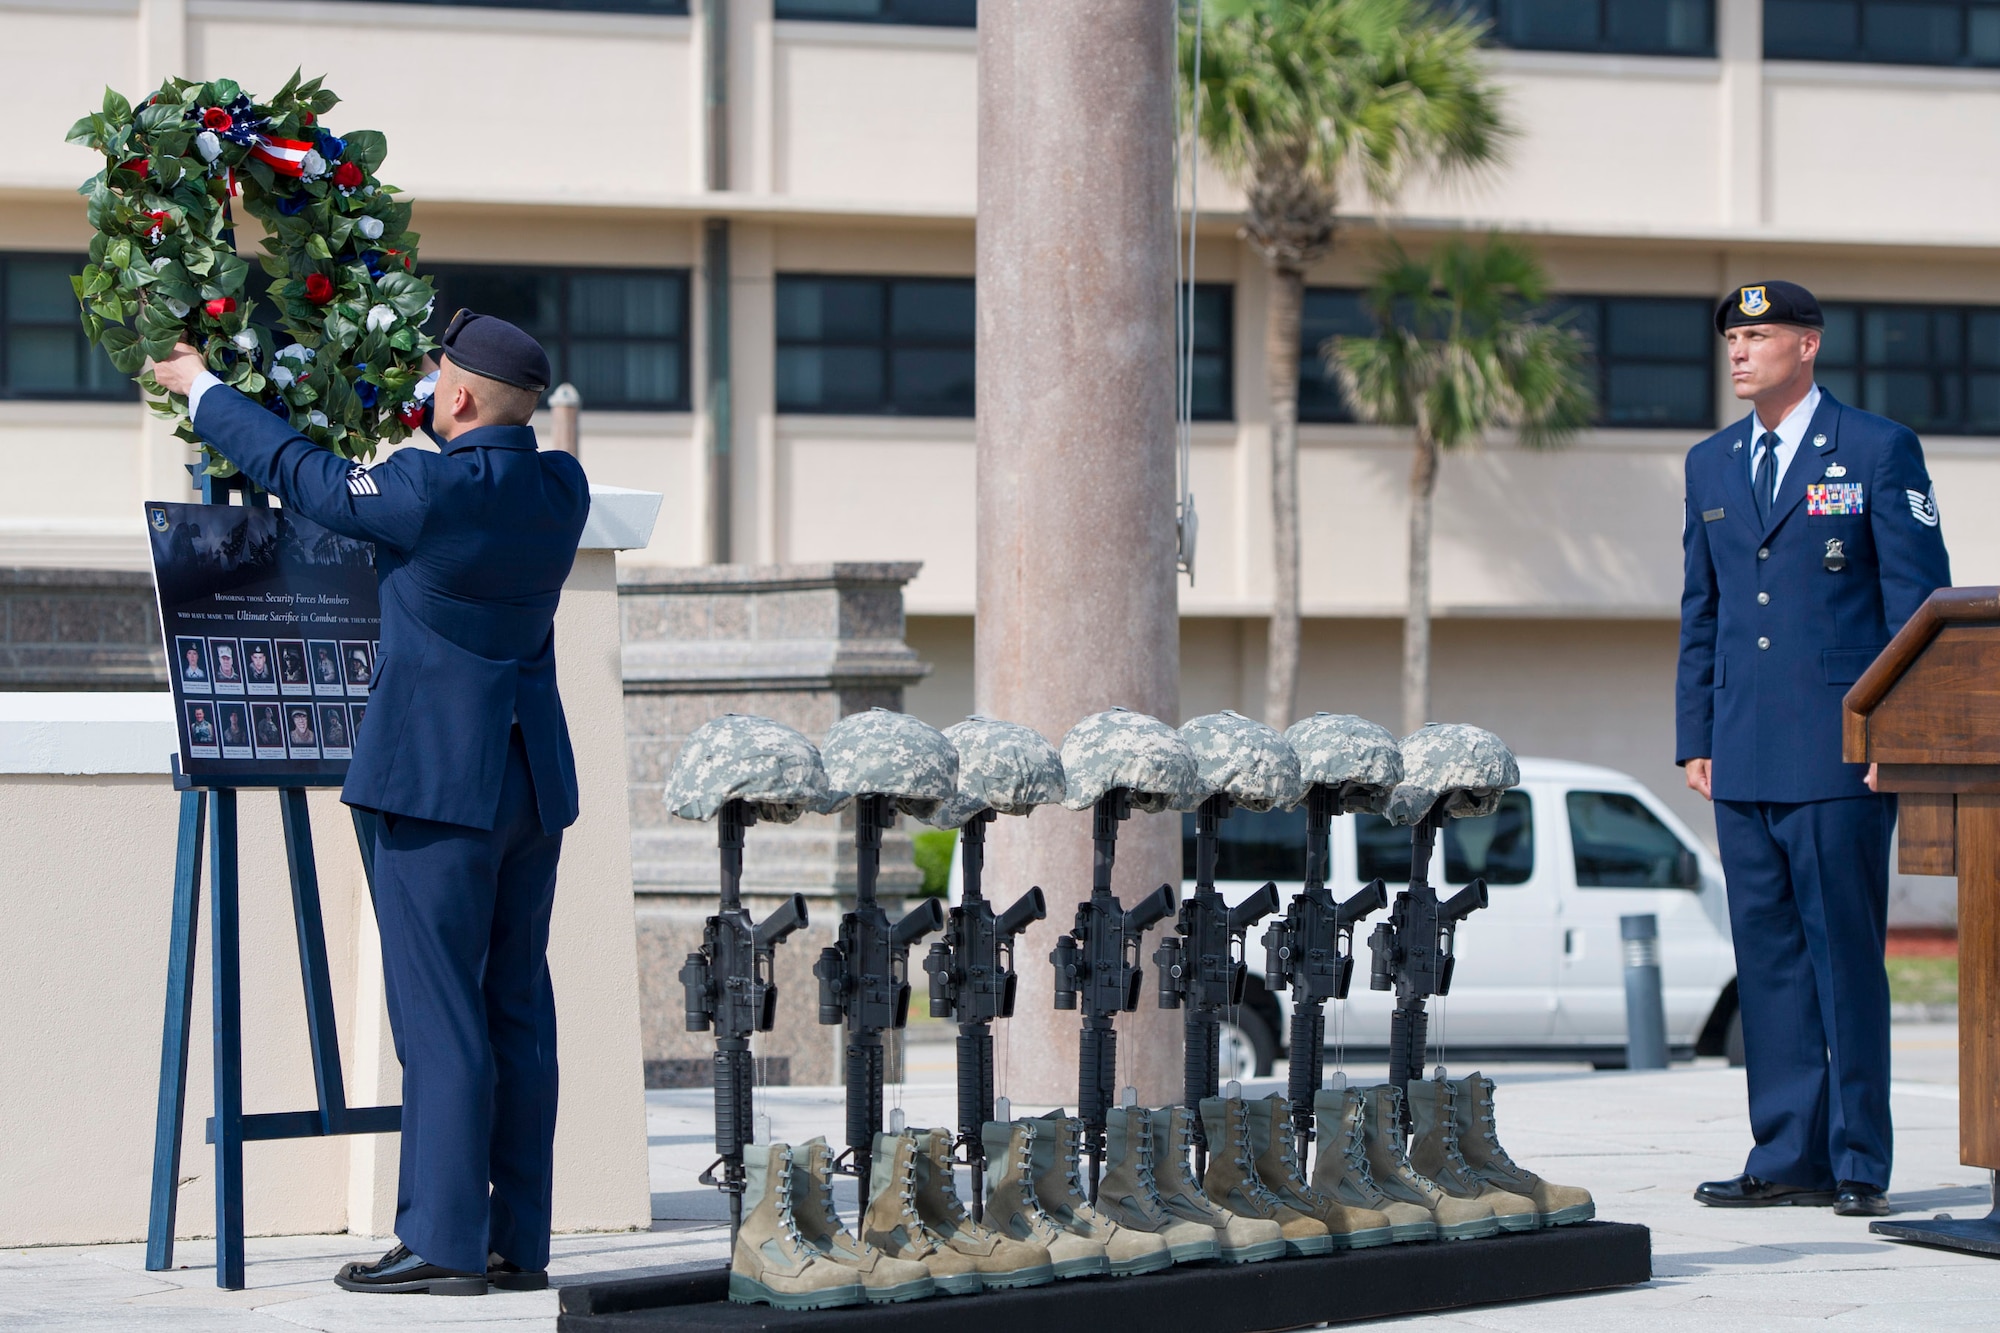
pixel 44 353
pixel 1886 32
pixel 868 346
pixel 922 13
pixel 1214 396
pixel 1652 358
pixel 1620 27
pixel 619 335
pixel 667 7
pixel 1936 369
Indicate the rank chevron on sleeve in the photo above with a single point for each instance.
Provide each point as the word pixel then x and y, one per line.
pixel 1923 507
pixel 360 483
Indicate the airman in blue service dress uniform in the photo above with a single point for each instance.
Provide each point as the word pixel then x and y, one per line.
pixel 1811 536
pixel 466 757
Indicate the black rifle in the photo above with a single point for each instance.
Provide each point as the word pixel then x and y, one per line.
pixel 972 978
pixel 1413 953
pixel 864 980
pixel 1202 971
pixel 1311 950
pixel 729 987
pixel 1098 964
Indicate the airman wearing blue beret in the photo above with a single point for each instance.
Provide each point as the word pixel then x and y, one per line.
pixel 465 755
pixel 1810 535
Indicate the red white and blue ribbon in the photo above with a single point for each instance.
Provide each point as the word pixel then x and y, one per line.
pixel 284 156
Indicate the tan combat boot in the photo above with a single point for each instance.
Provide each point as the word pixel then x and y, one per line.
pixel 1341 1168
pixel 1001 1260
pixel 1557 1205
pixel 1011 1205
pixel 1434 1151
pixel 1274 1156
pixel 885 1280
pixel 1131 1196
pixel 1241 1240
pixel 1233 1183
pixel 1389 1165
pixel 891 1223
pixel 771 1264
pixel 1057 1178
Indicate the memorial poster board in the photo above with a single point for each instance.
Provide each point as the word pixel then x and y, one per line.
pixel 272 626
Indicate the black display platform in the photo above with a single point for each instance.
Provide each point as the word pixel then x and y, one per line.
pixel 1972 1235
pixel 1248 1298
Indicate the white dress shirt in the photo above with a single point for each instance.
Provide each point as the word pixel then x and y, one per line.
pixel 1791 432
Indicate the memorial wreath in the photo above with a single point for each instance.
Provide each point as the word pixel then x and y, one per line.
pixel 337 250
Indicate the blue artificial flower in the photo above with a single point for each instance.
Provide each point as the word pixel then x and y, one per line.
pixel 279 408
pixel 366 392
pixel 374 261
pixel 329 147
pixel 292 205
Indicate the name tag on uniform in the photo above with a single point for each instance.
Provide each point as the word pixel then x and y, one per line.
pixel 1835 498
pixel 1710 515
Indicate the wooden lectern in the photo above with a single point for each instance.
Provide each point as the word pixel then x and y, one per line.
pixel 1928 712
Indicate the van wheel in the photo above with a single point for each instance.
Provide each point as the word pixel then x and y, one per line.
pixel 1249 1047
pixel 1732 1041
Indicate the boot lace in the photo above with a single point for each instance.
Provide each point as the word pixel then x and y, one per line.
pixel 1150 1202
pixel 1022 1175
pixel 1354 1152
pixel 1244 1161
pixel 937 1148
pixel 1489 1134
pixel 788 1223
pixel 918 1235
pixel 1454 1153
pixel 1288 1154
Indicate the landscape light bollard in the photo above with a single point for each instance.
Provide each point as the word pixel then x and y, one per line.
pixel 1645 1005
pixel 564 404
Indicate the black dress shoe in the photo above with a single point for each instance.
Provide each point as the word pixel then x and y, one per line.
pixel 505 1276
pixel 401 1271
pixel 1858 1200
pixel 1747 1191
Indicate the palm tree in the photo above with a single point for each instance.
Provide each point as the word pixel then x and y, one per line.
pixel 1296 99
pixel 1461 349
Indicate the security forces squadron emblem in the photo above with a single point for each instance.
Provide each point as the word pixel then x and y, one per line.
pixel 158 517
pixel 1753 302
pixel 1836 558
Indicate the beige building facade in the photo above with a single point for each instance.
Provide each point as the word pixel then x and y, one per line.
pixel 754 248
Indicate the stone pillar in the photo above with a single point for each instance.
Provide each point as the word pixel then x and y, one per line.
pixel 1076 593
pixel 805 645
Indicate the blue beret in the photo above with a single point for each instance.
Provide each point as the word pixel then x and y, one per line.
pixel 1769 303
pixel 496 349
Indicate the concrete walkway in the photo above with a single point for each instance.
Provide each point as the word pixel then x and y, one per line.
pixel 1639 1141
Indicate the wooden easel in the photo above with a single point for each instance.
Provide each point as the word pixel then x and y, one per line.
pixel 1928 712
pixel 213 803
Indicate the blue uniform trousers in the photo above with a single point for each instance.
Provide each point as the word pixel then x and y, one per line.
pixel 464 916
pixel 1808 904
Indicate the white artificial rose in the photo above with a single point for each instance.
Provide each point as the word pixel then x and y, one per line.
pixel 246 340
pixel 369 227
pixel 208 145
pixel 295 352
pixel 312 166
pixel 160 263
pixel 381 317
pixel 316 417
pixel 281 375
pixel 178 309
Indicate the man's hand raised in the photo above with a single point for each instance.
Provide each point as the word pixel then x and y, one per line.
pixel 1701 774
pixel 177 373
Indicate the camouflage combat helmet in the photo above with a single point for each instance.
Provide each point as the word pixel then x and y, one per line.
pixel 1002 766
pixel 1248 762
pixel 890 754
pixel 1466 767
pixel 1359 760
pixel 739 757
pixel 1120 748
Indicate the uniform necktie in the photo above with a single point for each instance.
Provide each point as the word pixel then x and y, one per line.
pixel 1767 468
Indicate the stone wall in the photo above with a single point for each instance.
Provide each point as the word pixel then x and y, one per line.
pixel 79 629
pixel 805 645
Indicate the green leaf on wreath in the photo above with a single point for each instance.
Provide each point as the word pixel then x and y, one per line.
pixel 366 148
pixel 316 247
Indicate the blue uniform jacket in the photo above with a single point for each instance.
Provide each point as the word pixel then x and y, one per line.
pixel 472 546
pixel 1772 634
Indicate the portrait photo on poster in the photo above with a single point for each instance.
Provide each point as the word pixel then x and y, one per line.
pixel 257 609
pixel 267 730
pixel 356 711
pixel 191 663
pixel 324 660
pixel 357 667
pixel 333 735
pixel 225 668
pixel 260 670
pixel 292 677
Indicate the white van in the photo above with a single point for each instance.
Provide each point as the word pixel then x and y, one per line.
pixel 1540 970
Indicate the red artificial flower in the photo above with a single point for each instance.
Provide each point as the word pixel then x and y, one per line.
pixel 220 306
pixel 319 288
pixel 307 118
pixel 135 164
pixel 215 118
pixel 347 176
pixel 411 415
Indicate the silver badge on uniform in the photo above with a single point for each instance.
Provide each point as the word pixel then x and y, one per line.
pixel 1835 559
pixel 1835 470
pixel 1819 441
